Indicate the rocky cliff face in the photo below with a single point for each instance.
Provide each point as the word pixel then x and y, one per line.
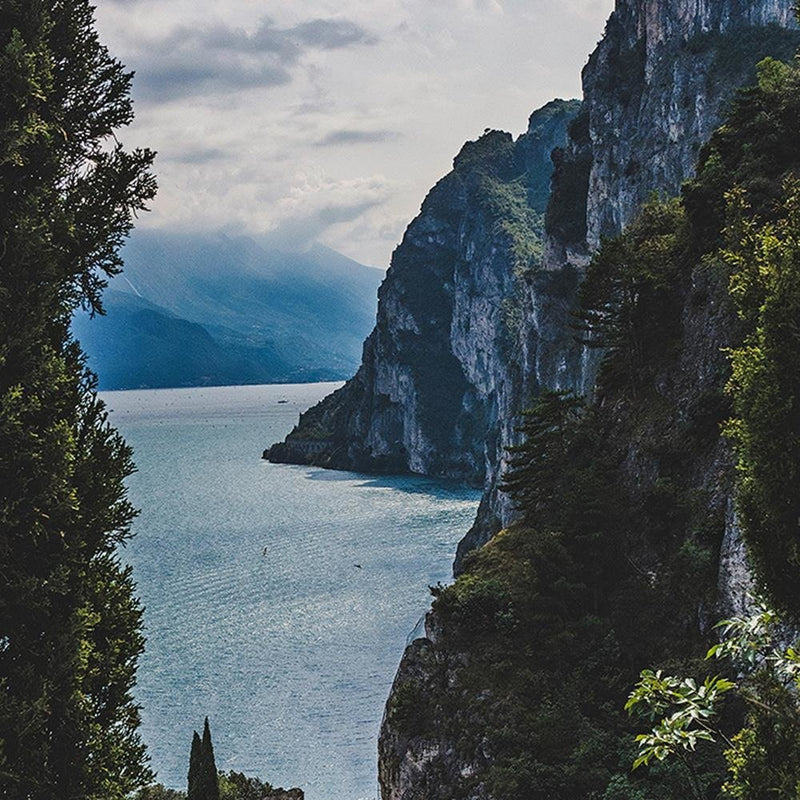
pixel 474 316
pixel 442 368
pixel 654 90
pixel 475 319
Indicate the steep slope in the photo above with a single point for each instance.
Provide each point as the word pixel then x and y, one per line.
pixel 654 89
pixel 441 367
pixel 249 314
pixel 516 691
pixel 627 545
pixel 138 344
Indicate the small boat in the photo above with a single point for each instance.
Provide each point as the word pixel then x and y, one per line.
pixel 282 401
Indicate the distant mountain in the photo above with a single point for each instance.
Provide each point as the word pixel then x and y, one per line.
pixel 219 310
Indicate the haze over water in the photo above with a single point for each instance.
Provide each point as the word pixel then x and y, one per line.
pixel 290 652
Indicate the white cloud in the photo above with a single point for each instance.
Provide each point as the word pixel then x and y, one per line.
pixel 243 98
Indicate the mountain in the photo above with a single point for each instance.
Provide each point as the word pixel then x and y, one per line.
pixel 217 310
pixel 501 251
pixel 443 367
pixel 621 524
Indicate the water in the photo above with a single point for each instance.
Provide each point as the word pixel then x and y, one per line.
pixel 290 653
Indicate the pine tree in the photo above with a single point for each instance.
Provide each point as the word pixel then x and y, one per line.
pixel 70 628
pixel 536 466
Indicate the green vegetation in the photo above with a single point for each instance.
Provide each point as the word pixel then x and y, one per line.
pixel 507 205
pixel 754 150
pixel 613 563
pixel 70 628
pixel 734 54
pixel 489 166
pixel 633 292
pixel 764 259
pixel 558 610
pixel 764 756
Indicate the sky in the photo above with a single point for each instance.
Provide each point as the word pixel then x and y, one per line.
pixel 329 120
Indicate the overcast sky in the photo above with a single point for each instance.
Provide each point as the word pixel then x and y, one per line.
pixel 329 120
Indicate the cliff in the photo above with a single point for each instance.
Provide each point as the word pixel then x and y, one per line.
pixel 638 524
pixel 655 88
pixel 442 368
pixel 474 315
pixel 632 548
pixel 516 690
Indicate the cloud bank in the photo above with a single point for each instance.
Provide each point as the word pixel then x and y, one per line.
pixel 330 119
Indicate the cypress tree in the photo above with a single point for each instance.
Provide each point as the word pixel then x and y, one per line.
pixel 211 780
pixel 195 768
pixel 70 628
pixel 203 782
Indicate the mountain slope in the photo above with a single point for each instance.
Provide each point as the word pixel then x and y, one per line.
pixel 250 314
pixel 628 544
pixel 441 369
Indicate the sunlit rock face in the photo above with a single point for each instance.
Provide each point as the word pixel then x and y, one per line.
pixel 655 88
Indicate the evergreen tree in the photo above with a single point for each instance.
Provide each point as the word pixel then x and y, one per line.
pixel 203 783
pixel 210 779
pixel 70 628
pixel 536 466
pixel 195 768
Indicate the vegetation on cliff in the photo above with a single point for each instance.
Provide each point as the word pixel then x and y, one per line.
pixel 613 563
pixel 763 758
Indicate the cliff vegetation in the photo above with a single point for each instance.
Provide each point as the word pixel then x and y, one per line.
pixel 623 501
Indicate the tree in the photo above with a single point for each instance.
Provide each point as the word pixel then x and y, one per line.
pixel 194 780
pixel 70 628
pixel 630 298
pixel 764 756
pixel 536 465
pixel 203 783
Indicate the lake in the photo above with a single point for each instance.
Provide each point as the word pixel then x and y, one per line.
pixel 278 598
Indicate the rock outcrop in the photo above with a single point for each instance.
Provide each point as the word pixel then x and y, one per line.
pixel 442 368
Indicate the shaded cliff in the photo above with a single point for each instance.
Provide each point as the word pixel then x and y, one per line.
pixel 527 659
pixel 655 88
pixel 442 365
pixel 631 506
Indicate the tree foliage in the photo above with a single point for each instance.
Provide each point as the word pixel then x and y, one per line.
pixel 764 756
pixel 756 148
pixel 630 299
pixel 764 262
pixel 70 630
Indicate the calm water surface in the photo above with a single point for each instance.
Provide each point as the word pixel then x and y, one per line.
pixel 291 652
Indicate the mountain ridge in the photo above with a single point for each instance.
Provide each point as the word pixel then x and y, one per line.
pixel 242 313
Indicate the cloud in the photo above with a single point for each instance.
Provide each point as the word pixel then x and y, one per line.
pixel 316 204
pixel 241 98
pixel 202 155
pixel 329 34
pixel 346 136
pixel 222 59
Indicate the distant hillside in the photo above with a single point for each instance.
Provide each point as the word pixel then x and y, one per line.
pixel 221 310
